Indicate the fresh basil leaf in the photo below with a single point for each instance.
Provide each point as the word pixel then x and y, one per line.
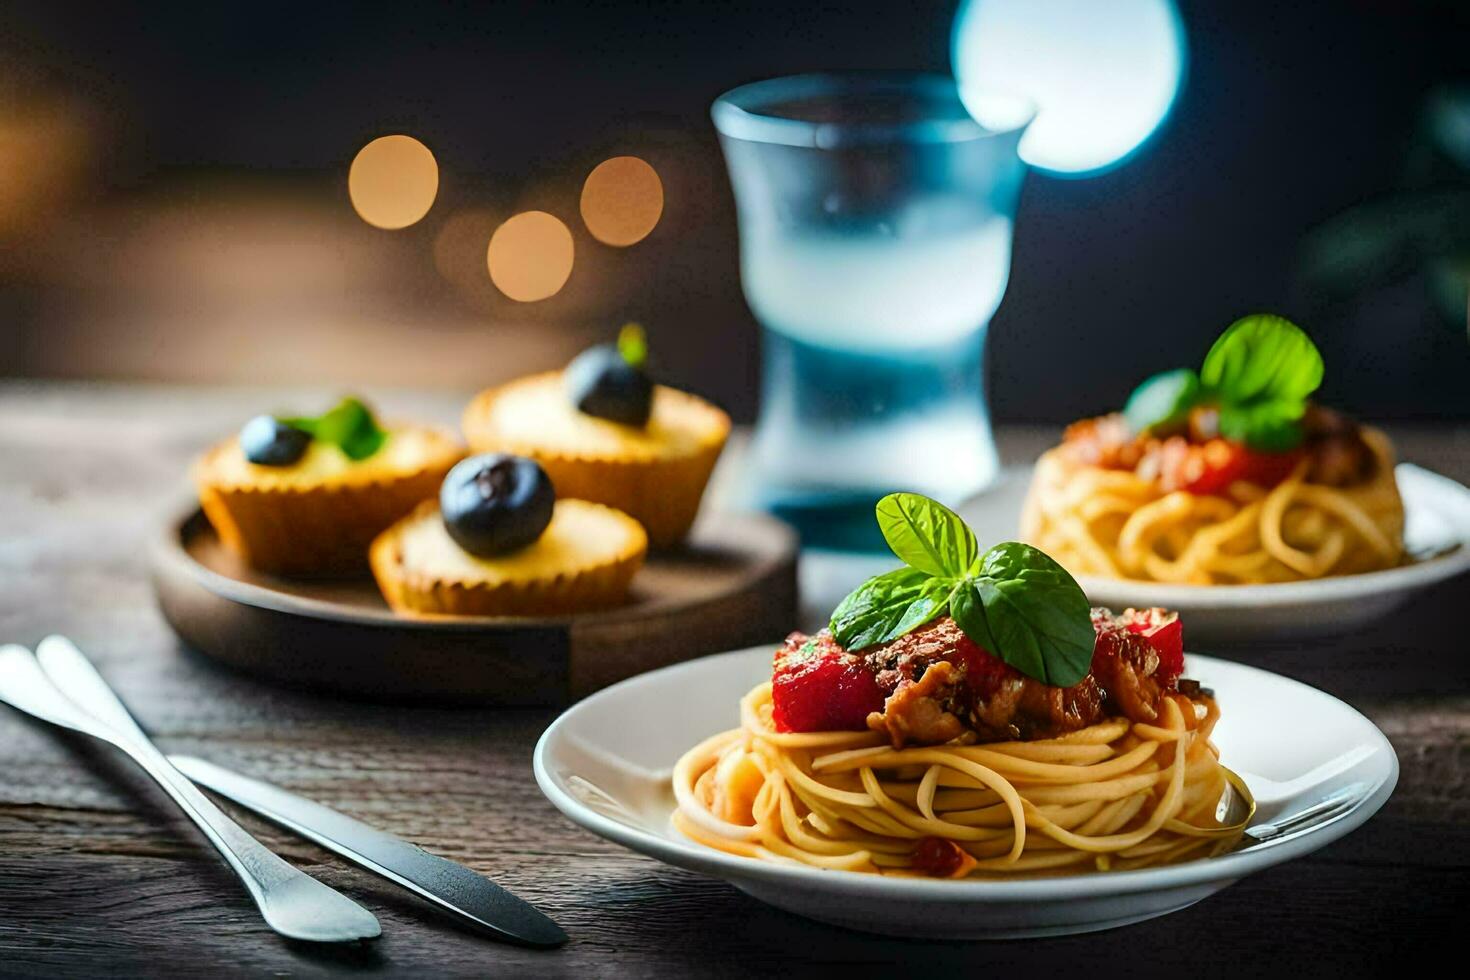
pixel 1271 427
pixel 1263 358
pixel 927 535
pixel 968 612
pixel 1163 401
pixel 1035 614
pixel 887 606
pixel 1015 641
pixel 349 426
pixel 1261 372
pixel 1013 601
pixel 1010 559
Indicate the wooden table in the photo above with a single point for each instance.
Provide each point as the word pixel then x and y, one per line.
pixel 98 874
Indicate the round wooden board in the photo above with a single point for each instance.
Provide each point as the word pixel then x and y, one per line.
pixel 733 584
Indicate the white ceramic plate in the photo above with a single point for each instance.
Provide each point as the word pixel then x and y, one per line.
pixel 1438 529
pixel 605 763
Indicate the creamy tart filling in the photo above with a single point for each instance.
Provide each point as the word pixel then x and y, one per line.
pixel 406 450
pixel 580 536
pixel 536 411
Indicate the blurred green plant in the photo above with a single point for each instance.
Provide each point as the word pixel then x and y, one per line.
pixel 1421 228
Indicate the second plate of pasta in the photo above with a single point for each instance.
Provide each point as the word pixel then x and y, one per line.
pixel 1436 545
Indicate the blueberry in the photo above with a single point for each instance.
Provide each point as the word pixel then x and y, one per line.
pixel 601 382
pixel 268 441
pixel 496 503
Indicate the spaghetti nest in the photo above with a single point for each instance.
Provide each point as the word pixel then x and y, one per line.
pixel 1115 795
pixel 1112 522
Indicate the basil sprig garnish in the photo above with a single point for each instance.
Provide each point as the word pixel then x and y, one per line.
pixel 349 426
pixel 1263 369
pixel 1163 401
pixel 1013 600
pixel 633 345
pixel 1259 375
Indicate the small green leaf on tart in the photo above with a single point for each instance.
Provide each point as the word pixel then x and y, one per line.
pixel 633 345
pixel 349 426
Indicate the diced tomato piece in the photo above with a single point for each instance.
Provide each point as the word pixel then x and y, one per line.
pixel 984 671
pixel 816 686
pixel 1269 469
pixel 1165 633
pixel 939 857
pixel 1210 467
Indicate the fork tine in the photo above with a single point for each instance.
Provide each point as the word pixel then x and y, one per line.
pixel 1325 809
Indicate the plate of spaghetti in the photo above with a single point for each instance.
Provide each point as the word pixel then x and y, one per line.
pixel 1232 476
pixel 969 750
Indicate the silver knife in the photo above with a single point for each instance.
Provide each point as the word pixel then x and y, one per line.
pixel 448 885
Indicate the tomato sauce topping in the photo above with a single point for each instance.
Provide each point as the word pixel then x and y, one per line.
pixel 1200 460
pixel 935 684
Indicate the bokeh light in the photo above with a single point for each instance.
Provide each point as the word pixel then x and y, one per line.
pixel 459 247
pixel 622 201
pixel 46 147
pixel 530 256
pixel 393 182
pixel 1103 75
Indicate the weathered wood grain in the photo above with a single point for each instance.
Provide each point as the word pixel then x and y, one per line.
pixel 98 875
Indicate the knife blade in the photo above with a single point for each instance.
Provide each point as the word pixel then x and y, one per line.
pixel 451 886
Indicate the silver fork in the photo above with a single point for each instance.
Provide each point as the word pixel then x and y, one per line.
pixel 1325 810
pixel 58 684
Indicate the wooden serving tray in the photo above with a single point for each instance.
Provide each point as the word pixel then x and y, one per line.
pixel 733 584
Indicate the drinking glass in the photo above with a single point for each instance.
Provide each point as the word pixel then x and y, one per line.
pixel 875 218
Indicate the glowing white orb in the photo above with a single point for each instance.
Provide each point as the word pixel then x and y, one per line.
pixel 1103 73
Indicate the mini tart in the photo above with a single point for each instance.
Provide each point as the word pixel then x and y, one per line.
pixel 583 561
pixel 318 515
pixel 656 473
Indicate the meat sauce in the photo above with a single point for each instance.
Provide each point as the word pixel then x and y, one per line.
pixel 1199 460
pixel 935 684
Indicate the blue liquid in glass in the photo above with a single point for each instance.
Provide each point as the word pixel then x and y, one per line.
pixel 875 244
pixel 840 429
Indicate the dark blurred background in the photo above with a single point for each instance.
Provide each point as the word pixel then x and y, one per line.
pixel 173 194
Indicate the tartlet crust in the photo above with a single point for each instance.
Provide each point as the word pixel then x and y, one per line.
pixel 660 488
pixel 319 526
pixel 586 585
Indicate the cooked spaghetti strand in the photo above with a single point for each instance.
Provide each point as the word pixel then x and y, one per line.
pixel 1121 524
pixel 1114 795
